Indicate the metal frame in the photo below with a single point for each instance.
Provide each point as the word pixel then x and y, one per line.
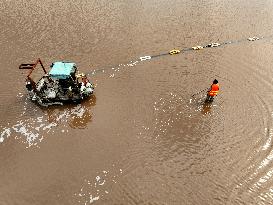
pixel 32 67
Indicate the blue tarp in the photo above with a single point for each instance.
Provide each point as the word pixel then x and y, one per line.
pixel 62 70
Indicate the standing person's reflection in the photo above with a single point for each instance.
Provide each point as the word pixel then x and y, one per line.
pixel 206 108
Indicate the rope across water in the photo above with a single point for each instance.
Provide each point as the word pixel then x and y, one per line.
pixel 178 51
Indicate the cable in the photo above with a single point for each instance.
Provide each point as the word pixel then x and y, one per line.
pixel 176 52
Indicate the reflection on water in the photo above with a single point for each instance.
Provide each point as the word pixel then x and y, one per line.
pixel 206 109
pixel 77 116
pixel 31 130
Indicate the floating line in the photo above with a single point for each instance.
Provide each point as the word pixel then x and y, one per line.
pixel 177 52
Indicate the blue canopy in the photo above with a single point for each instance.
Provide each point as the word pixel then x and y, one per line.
pixel 62 70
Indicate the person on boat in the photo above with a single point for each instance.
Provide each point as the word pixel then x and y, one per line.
pixel 86 86
pixel 84 80
pixel 214 89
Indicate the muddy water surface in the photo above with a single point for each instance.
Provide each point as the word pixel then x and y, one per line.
pixel 142 138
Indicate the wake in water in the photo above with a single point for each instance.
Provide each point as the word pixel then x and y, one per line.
pixel 31 130
pixel 169 111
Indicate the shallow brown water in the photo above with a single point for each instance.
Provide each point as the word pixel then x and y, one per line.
pixel 142 138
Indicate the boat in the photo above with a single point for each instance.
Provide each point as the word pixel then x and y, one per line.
pixel 62 83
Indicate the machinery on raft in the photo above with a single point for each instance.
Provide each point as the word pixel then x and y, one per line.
pixel 63 83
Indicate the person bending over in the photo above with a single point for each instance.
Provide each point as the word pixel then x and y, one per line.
pixel 214 89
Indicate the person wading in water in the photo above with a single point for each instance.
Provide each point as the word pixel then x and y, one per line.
pixel 214 89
